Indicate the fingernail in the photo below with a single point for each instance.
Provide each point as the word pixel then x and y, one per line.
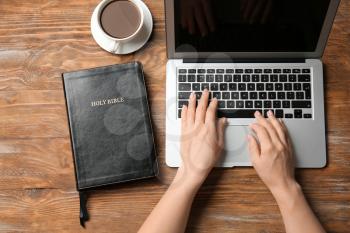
pixel 257 113
pixel 269 113
pixel 192 95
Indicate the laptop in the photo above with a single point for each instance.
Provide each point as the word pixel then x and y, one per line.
pixel 252 56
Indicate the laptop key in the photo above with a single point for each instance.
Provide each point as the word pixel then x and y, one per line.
pixel 288 115
pixel 182 71
pixel 273 78
pixel 308 94
pixel 201 71
pixel 292 78
pixel 182 78
pixel 198 95
pixel 239 71
pixel 232 87
pixel 306 71
pixel 200 78
pixel 264 78
pixel 205 86
pixel 251 86
pixel 267 71
pixel 260 87
pixel 191 78
pixel 277 71
pixel 238 113
pixel 184 95
pixel 269 86
pixel 248 104
pixel 290 95
pixel 226 95
pixel 271 95
pixel 237 78
pixel 246 78
pixel 307 115
pixel 214 87
pixel 219 78
pixel 242 87
pixel 279 113
pixel 182 103
pixel 196 87
pixel 253 95
pixel 255 78
pixel 209 78
pixel 276 104
pixel 306 86
pixel 220 71
pixel 192 71
pixel 221 104
pixel 278 86
pixel 285 104
pixel 287 71
pixel 248 71
pixel 297 86
pixel 304 78
pixel 283 78
pixel 223 86
pixel 230 104
pixel 240 104
pixel 288 87
pixel 217 95
pixel 267 104
pixel 235 95
pixel 244 95
pixel 210 71
pixel 262 95
pixel 301 104
pixel 281 95
pixel 258 104
pixel 298 113
pixel 296 71
pixel 230 71
pixel 300 95
pixel 228 78
pixel 258 71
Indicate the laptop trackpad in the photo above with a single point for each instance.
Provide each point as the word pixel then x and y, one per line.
pixel 236 147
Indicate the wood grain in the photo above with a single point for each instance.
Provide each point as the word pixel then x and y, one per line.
pixel 40 39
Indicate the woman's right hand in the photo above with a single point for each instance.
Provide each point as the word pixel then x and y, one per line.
pixel 271 153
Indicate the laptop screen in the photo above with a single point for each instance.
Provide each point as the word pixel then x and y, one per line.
pixel 248 25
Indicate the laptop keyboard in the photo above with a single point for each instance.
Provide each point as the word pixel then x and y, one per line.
pixel 241 92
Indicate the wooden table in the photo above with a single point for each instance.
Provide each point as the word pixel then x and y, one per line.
pixel 41 39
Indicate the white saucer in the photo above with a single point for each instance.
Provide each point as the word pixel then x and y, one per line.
pixel 128 47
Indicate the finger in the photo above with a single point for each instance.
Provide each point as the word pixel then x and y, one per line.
pixel 267 125
pixel 208 12
pixel 184 115
pixel 263 136
pixel 210 116
pixel 254 149
pixel 191 113
pixel 277 125
pixel 199 16
pixel 285 131
pixel 221 131
pixel 202 107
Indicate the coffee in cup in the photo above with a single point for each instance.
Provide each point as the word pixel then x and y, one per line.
pixel 120 19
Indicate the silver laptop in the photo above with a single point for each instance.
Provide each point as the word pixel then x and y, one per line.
pixel 251 55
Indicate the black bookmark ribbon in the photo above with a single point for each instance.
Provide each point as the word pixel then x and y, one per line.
pixel 84 216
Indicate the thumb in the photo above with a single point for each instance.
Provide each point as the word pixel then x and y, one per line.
pixel 254 150
pixel 221 131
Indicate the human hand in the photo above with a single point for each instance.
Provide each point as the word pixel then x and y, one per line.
pixel 197 16
pixel 202 138
pixel 272 157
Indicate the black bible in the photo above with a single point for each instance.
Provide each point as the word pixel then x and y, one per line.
pixel 110 127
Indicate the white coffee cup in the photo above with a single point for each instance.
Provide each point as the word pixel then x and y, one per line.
pixel 118 42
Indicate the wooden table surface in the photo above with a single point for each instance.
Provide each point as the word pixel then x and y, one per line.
pixel 40 39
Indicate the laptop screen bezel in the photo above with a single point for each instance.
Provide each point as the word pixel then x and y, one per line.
pixel 172 54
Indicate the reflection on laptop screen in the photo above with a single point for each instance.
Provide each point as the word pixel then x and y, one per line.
pixel 248 25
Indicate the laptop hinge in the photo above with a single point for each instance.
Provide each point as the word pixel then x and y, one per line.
pixel 244 60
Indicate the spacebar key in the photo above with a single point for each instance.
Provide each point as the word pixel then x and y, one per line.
pixel 238 113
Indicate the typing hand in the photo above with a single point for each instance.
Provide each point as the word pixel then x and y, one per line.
pixel 272 157
pixel 197 16
pixel 202 138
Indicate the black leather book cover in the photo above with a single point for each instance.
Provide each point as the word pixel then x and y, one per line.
pixel 110 125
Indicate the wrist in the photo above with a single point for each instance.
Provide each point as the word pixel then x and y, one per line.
pixel 287 192
pixel 188 179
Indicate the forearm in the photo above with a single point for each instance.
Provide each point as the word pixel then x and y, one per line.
pixel 171 213
pixel 296 212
